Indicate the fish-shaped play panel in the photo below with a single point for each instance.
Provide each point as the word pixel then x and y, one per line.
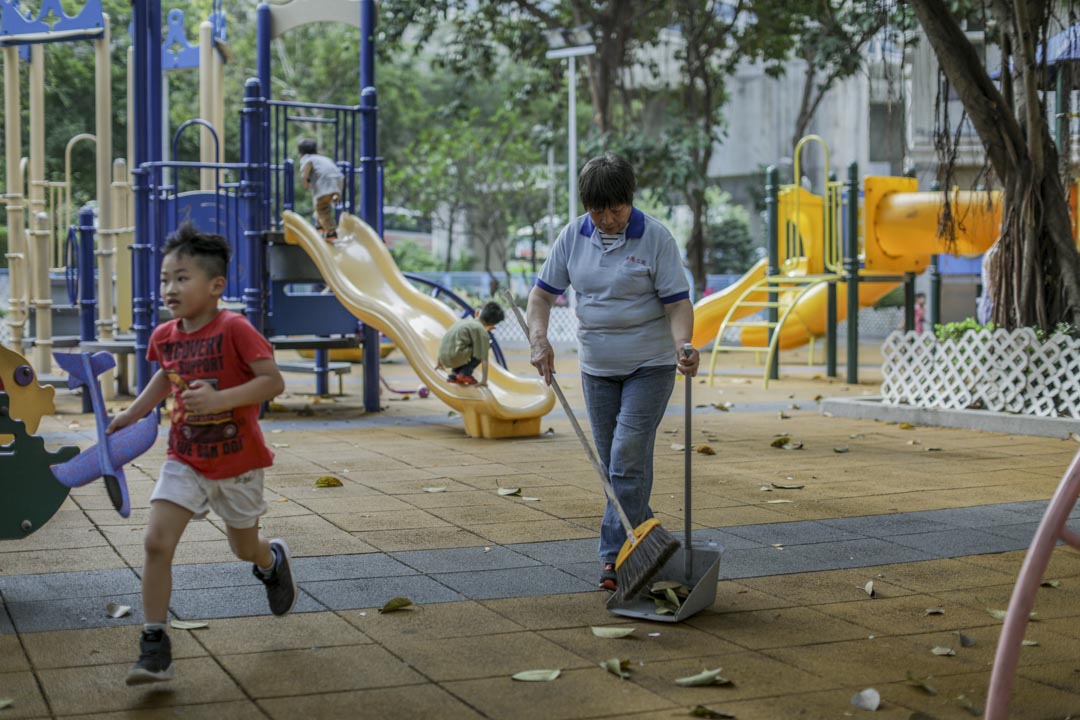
pixel 107 458
pixel 29 400
pixel 29 494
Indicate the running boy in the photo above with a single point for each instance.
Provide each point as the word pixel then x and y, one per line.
pixel 323 177
pixel 466 344
pixel 219 369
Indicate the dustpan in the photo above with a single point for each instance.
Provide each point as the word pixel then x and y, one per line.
pixel 695 566
pixel 704 574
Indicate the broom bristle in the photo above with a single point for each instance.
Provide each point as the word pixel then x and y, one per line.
pixel 644 561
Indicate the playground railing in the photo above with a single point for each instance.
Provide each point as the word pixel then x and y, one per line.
pixel 342 124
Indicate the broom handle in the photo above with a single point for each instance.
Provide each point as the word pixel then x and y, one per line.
pixel 600 471
pixel 687 350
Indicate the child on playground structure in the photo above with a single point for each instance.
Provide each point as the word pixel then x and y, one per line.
pixel 324 179
pixel 219 369
pixel 466 344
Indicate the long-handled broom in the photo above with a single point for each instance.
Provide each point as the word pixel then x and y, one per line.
pixel 648 546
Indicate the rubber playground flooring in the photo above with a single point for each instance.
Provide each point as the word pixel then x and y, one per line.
pixel 934 518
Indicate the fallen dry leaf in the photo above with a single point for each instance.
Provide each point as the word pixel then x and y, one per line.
pixel 530 499
pixel 780 441
pixel 965 640
pixel 612 632
pixel 677 447
pixel 786 486
pixel 506 492
pixel 536 675
pixel 277 407
pixel 703 712
pixel 856 436
pixel 705 677
pixel 328 481
pixel 907 426
pixel 777 502
pixel 723 406
pixel 784 416
pixel 1029 643
pixel 8 702
pixel 965 702
pixel 705 450
pixel 935 611
pixel 280 445
pixel 396 604
pixel 435 490
pixel 840 450
pixel 921 683
pixel 943 651
pixel 1050 583
pixel 116 610
pixel 617 666
pixel 1074 437
pixel 188 624
pixel 869 589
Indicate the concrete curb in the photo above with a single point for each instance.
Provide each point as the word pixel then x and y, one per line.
pixel 872 408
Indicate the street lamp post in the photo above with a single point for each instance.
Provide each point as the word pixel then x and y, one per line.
pixel 570 44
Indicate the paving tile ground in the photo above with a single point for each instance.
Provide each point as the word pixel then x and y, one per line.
pixel 935 518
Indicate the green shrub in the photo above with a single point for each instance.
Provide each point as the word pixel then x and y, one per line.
pixel 954 330
pixel 3 246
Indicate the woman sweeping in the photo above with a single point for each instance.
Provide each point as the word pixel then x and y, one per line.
pixel 634 316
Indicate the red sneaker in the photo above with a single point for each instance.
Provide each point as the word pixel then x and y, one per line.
pixel 465 379
pixel 607 578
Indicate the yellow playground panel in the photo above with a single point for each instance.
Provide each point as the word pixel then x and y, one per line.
pixel 29 401
pixel 898 232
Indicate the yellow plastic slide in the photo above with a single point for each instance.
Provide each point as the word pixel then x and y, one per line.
pixel 362 274
pixel 710 310
pixel 901 234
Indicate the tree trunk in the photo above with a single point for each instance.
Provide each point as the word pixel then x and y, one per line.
pixel 1037 266
pixel 450 242
pixel 802 121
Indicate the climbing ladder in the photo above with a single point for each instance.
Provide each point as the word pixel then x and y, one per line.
pixel 809 254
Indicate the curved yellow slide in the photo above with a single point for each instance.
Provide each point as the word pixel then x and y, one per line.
pixel 360 271
pixel 902 233
pixel 710 310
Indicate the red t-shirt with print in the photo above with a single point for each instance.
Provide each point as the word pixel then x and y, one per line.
pixel 221 445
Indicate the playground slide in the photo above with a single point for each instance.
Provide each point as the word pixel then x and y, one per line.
pixel 361 273
pixel 710 310
pixel 902 233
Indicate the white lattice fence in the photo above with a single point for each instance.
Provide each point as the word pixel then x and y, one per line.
pixel 562 329
pixel 1001 370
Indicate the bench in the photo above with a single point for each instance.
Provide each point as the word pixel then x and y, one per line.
pixel 308 367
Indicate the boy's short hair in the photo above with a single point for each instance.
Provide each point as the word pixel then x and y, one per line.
pixel 492 314
pixel 307 146
pixel 606 182
pixel 210 251
pixel 920 295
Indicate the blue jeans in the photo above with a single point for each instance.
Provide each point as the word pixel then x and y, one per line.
pixel 625 411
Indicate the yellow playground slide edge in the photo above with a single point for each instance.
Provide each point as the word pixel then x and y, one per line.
pixel 363 276
pixel 710 310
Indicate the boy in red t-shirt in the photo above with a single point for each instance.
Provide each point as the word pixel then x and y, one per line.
pixel 219 369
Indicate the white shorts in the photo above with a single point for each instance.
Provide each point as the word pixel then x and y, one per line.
pixel 236 500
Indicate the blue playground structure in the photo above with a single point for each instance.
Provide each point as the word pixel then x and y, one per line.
pixel 278 287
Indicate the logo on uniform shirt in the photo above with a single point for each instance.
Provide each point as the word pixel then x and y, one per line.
pixel 639 261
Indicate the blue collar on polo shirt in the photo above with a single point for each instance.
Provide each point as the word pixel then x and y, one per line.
pixel 634 229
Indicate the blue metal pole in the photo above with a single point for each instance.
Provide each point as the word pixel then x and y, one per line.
pixel 370 210
pixel 251 192
pixel 87 286
pixel 140 263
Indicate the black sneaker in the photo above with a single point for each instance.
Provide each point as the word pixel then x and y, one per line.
pixel 280 586
pixel 155 659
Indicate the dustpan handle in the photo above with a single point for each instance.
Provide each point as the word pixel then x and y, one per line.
pixel 687 350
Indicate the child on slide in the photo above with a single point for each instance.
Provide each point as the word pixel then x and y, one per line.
pixel 466 344
pixel 323 178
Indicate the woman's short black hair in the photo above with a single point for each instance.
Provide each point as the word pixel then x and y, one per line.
pixel 307 146
pixel 209 250
pixel 606 182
